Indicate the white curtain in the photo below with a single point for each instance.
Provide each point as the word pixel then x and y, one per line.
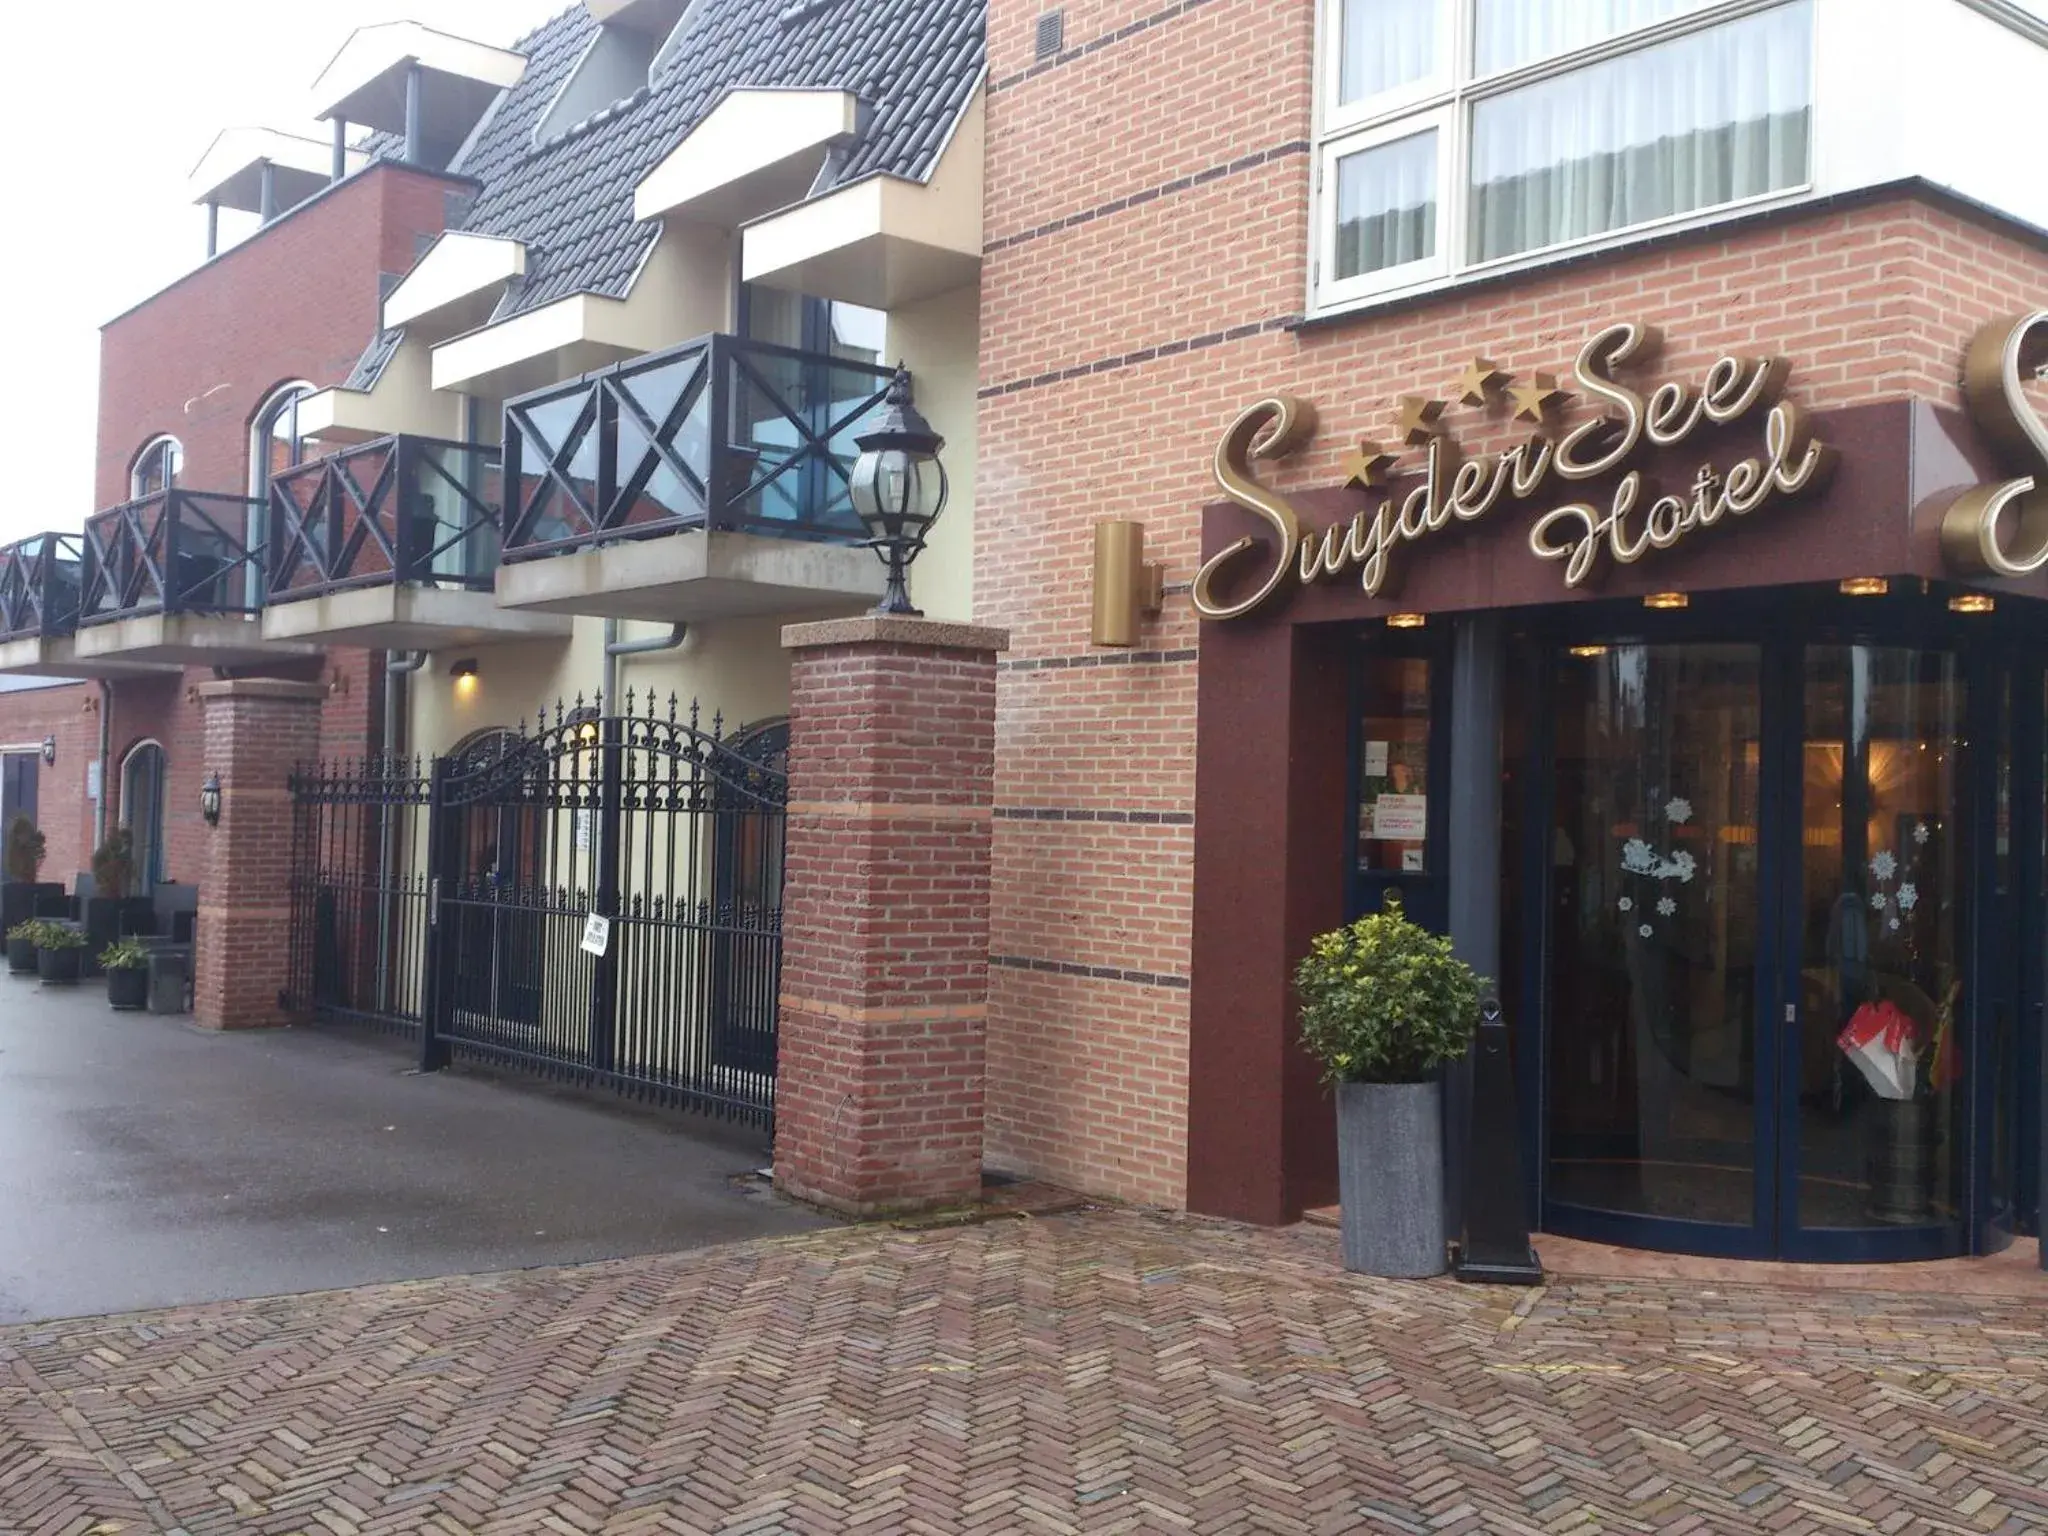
pixel 1387 44
pixel 1386 205
pixel 1512 32
pixel 1689 124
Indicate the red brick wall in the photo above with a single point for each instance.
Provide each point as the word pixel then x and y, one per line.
pixel 299 300
pixel 61 807
pixel 1146 257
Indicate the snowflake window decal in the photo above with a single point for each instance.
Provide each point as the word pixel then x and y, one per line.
pixel 1678 811
pixel 1884 865
pixel 1909 896
pixel 1666 906
pixel 1646 930
pixel 1627 903
pixel 1921 833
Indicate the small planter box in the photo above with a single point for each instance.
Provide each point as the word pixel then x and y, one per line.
pixel 128 988
pixel 60 967
pixel 21 957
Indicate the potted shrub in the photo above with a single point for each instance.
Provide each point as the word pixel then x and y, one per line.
pixel 21 948
pixel 126 962
pixel 60 953
pixel 113 912
pixel 1385 1006
pixel 22 893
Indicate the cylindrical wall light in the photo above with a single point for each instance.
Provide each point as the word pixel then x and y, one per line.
pixel 1126 588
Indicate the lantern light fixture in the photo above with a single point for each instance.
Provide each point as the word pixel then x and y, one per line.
pixel 209 800
pixel 50 751
pixel 898 487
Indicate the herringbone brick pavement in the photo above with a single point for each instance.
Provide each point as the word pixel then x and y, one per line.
pixel 1106 1371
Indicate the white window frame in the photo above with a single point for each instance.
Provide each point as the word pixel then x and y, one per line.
pixel 1339 290
pixel 143 455
pixel 1342 130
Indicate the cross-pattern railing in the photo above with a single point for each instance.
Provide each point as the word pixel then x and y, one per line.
pixel 40 578
pixel 404 510
pixel 719 433
pixel 175 552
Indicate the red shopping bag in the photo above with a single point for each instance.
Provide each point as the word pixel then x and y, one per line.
pixel 1885 1046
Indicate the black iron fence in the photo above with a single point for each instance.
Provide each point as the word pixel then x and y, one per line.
pixel 177 551
pixel 400 510
pixel 597 899
pixel 40 580
pixel 718 433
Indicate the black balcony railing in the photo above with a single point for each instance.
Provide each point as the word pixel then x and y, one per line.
pixel 40 580
pixel 172 553
pixel 398 511
pixel 719 433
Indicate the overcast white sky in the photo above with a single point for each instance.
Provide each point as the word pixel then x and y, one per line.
pixel 97 136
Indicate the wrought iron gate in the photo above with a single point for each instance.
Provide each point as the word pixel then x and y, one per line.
pixel 669 835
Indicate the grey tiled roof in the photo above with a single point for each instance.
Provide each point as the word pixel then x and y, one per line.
pixel 570 200
pixel 370 366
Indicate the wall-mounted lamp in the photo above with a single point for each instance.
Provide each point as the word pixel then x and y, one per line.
pixel 1126 587
pixel 1589 652
pixel 209 800
pixel 1865 586
pixel 1407 621
pixel 465 674
pixel 1667 600
pixel 1973 602
pixel 50 751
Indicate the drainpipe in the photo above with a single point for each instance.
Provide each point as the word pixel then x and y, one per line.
pixel 339 168
pixel 398 667
pixel 614 648
pixel 99 810
pixel 212 229
pixel 266 196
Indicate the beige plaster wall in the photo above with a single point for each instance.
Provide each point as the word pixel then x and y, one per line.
pixel 939 340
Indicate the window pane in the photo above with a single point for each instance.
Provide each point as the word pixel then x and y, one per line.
pixel 1393 776
pixel 1386 206
pixel 1512 32
pixel 1689 124
pixel 1388 44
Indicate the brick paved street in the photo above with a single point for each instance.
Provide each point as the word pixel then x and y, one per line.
pixel 1103 1371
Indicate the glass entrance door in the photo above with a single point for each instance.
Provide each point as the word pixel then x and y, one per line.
pixel 1757 1024
pixel 1655 1109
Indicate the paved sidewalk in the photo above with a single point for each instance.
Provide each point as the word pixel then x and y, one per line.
pixel 1105 1371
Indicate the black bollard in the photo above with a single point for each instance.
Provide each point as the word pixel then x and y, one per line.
pixel 1494 1249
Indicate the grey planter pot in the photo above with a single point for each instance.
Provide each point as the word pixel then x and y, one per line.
pixel 1390 1177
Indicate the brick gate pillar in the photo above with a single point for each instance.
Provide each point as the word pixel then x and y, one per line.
pixel 884 1006
pixel 256 731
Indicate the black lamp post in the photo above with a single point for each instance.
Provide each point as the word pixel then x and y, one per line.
pixel 898 488
pixel 209 800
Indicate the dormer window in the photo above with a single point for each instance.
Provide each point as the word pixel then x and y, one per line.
pixel 157 467
pixel 620 62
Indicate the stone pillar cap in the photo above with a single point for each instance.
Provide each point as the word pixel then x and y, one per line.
pixel 894 629
pixel 263 688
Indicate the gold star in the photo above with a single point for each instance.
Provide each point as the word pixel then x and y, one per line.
pixel 1418 418
pixel 1537 400
pixel 1368 467
pixel 1478 384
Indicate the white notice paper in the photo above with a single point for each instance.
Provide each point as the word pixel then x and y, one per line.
pixel 597 934
pixel 1401 818
pixel 1376 759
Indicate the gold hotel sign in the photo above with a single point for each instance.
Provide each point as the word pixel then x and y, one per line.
pixel 2002 529
pixel 1999 529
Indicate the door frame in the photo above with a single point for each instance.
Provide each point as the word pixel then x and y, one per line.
pixel 1985 651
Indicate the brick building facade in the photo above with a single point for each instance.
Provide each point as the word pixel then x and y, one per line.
pixel 1151 232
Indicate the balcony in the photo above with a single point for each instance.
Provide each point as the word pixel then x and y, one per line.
pixel 40 579
pixel 392 545
pixel 173 579
pixel 708 481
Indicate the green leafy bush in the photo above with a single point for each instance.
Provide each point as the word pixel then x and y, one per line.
pixel 1385 1001
pixel 124 955
pixel 25 850
pixel 25 933
pixel 56 936
pixel 113 864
